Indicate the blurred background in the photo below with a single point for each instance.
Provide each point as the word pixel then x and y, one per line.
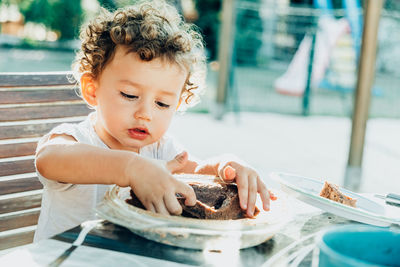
pixel 41 36
pixel 276 45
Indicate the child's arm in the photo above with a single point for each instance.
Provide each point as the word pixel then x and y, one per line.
pixel 230 168
pixel 65 160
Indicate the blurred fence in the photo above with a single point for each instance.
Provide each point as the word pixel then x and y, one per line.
pixel 268 35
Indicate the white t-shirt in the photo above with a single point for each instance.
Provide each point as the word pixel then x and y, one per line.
pixel 65 206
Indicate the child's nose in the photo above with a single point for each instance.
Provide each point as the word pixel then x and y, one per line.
pixel 143 112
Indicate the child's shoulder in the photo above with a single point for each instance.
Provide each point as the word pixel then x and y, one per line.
pixel 82 131
pixel 75 128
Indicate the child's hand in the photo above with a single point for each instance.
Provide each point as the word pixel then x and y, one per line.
pixel 248 183
pixel 156 188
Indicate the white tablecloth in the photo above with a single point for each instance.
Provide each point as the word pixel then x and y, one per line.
pixel 44 252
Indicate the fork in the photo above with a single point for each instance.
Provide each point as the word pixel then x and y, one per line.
pixel 87 227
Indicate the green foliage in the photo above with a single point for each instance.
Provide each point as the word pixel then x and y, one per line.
pixel 248 31
pixel 209 22
pixel 39 11
pixel 249 28
pixel 68 18
pixel 61 16
pixel 108 4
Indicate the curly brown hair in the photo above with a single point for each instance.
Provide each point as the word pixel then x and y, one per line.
pixel 152 29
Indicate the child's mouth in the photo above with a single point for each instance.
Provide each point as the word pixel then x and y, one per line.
pixel 138 133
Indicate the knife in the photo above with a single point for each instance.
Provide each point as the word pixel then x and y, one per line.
pixel 391 198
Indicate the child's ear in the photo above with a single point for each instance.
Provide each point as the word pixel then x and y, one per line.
pixel 88 88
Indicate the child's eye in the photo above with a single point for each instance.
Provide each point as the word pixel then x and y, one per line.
pixel 161 104
pixel 129 96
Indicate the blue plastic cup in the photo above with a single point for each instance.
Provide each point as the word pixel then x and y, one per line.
pixel 359 246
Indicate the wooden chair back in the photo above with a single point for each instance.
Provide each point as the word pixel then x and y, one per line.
pixel 31 104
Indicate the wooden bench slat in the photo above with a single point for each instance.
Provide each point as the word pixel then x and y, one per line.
pixel 17 150
pixel 26 131
pixel 16 240
pixel 20 185
pixel 15 221
pixel 38 79
pixel 17 167
pixel 38 96
pixel 31 129
pixel 43 112
pixel 20 203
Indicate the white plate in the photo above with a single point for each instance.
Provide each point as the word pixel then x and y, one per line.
pixel 307 190
pixel 192 233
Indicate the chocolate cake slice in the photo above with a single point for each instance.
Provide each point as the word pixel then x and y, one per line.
pixel 331 191
pixel 214 201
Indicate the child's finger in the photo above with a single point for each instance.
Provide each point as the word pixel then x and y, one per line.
pixel 272 195
pixel 172 204
pixel 228 173
pixel 160 208
pixel 252 195
pixel 178 162
pixel 243 188
pixel 188 192
pixel 149 207
pixel 264 194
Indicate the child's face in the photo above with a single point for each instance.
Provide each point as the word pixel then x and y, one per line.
pixel 135 99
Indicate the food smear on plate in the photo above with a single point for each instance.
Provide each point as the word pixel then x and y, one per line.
pixel 332 192
pixel 215 201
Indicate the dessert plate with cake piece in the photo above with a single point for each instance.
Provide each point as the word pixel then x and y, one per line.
pixel 332 198
pixel 215 222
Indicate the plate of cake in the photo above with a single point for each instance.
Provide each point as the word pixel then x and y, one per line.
pixel 215 222
pixel 334 199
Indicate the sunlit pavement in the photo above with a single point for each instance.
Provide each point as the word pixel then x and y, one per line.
pixel 312 146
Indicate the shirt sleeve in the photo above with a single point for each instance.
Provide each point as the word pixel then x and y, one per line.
pixel 65 128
